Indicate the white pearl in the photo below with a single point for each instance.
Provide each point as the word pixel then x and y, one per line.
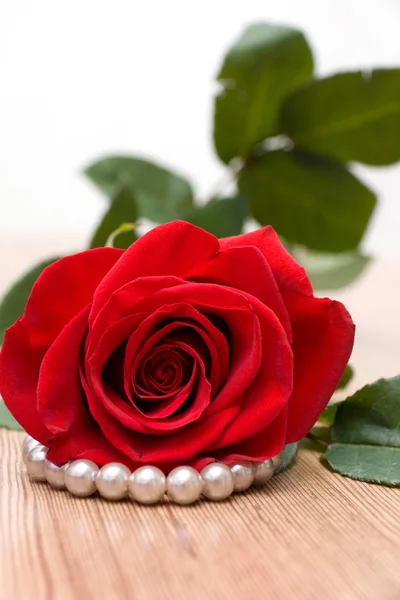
pixel 147 485
pixel 112 481
pixel 184 485
pixel 276 461
pixel 218 481
pixel 264 472
pixel 26 439
pixel 28 444
pixel 35 463
pixel 80 476
pixel 55 475
pixel 243 474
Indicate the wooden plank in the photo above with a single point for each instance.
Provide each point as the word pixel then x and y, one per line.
pixel 308 534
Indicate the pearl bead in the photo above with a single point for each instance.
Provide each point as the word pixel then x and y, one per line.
pixel 243 474
pixel 147 485
pixel 35 463
pixel 80 476
pixel 28 444
pixel 264 472
pixel 112 481
pixel 184 485
pixel 55 475
pixel 276 460
pixel 26 440
pixel 218 481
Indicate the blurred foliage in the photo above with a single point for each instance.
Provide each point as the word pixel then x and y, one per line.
pixel 160 195
pixel 331 271
pixel 6 418
pixel 287 139
pixel 122 209
pixel 266 64
pixel 309 199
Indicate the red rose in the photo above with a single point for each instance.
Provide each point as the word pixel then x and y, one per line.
pixel 182 349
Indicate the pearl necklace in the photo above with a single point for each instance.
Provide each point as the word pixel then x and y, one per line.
pixel 147 484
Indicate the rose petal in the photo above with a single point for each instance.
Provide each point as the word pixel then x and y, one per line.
pixel 133 418
pixel 170 333
pixel 182 447
pixel 63 289
pixel 237 309
pixel 19 367
pixel 197 437
pixel 143 325
pixel 265 444
pixel 161 372
pixel 57 296
pixel 323 337
pixel 86 440
pixel 245 268
pixel 288 273
pixel 170 249
pixel 159 407
pixel 270 389
pixel 60 400
pixel 123 302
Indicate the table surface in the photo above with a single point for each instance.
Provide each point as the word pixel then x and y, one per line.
pixel 308 534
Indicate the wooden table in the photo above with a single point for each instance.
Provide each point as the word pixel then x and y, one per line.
pixel 309 534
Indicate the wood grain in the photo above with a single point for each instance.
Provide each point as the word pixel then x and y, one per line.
pixel 308 534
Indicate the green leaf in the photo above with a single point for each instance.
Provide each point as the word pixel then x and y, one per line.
pixel 345 379
pixel 6 418
pixel 367 427
pixel 374 464
pixel 329 414
pixel 287 456
pixel 223 217
pixel 320 434
pixel 259 71
pixel 13 303
pixel 332 271
pixel 309 200
pixel 349 116
pixel 122 209
pixel 160 194
pixel 371 415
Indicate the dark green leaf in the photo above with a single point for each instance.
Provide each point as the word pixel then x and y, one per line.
pixel 259 71
pixel 287 457
pixel 160 194
pixel 122 209
pixel 309 200
pixel 310 443
pixel 332 271
pixel 345 378
pixel 374 464
pixel 320 434
pixel 371 415
pixel 329 414
pixel 13 303
pixel 349 116
pixel 223 217
pixel 6 418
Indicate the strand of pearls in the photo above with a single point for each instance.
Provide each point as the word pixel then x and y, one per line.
pixel 146 485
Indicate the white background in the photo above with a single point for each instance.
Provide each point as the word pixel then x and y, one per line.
pixel 84 78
